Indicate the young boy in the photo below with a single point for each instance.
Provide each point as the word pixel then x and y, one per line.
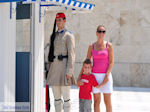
pixel 88 80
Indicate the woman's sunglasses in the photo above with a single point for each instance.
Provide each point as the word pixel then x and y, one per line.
pixel 99 31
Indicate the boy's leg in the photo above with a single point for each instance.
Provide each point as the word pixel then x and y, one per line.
pixel 87 106
pixel 57 98
pixel 66 96
pixel 81 105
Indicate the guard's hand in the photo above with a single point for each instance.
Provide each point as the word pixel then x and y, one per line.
pixel 68 76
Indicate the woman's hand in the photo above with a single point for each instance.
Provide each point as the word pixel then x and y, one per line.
pixel 99 86
pixel 106 79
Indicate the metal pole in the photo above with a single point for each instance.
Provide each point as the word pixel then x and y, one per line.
pixel 32 44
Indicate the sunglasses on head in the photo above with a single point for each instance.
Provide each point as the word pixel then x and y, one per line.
pixel 100 31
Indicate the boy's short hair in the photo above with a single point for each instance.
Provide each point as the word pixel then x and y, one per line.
pixel 87 61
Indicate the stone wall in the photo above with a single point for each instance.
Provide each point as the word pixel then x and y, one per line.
pixel 128 28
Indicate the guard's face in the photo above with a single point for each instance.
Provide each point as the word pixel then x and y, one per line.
pixel 87 68
pixel 60 22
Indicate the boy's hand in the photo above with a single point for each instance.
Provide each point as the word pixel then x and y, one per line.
pixel 79 83
pixel 99 86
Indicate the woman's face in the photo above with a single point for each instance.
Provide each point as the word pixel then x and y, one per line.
pixel 101 32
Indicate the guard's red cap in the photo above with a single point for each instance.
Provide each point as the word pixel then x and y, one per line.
pixel 60 15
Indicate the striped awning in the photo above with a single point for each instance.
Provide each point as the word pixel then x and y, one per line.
pixel 4 1
pixel 67 3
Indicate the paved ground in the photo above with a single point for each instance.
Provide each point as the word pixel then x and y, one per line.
pixel 124 99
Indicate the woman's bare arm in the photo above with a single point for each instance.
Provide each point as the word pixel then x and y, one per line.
pixel 89 53
pixel 111 59
pixel 111 63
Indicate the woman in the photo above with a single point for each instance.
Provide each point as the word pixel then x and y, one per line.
pixel 103 60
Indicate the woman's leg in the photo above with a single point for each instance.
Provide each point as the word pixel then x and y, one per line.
pixel 97 99
pixel 108 103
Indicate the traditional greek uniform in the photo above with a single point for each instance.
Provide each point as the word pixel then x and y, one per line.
pixel 64 48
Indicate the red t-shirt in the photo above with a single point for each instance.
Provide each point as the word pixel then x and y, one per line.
pixel 86 88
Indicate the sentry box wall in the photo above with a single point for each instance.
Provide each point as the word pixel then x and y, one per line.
pixel 21 71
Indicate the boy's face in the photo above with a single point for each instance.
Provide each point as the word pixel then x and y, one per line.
pixel 87 68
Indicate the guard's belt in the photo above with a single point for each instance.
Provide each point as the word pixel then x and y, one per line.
pixel 60 57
